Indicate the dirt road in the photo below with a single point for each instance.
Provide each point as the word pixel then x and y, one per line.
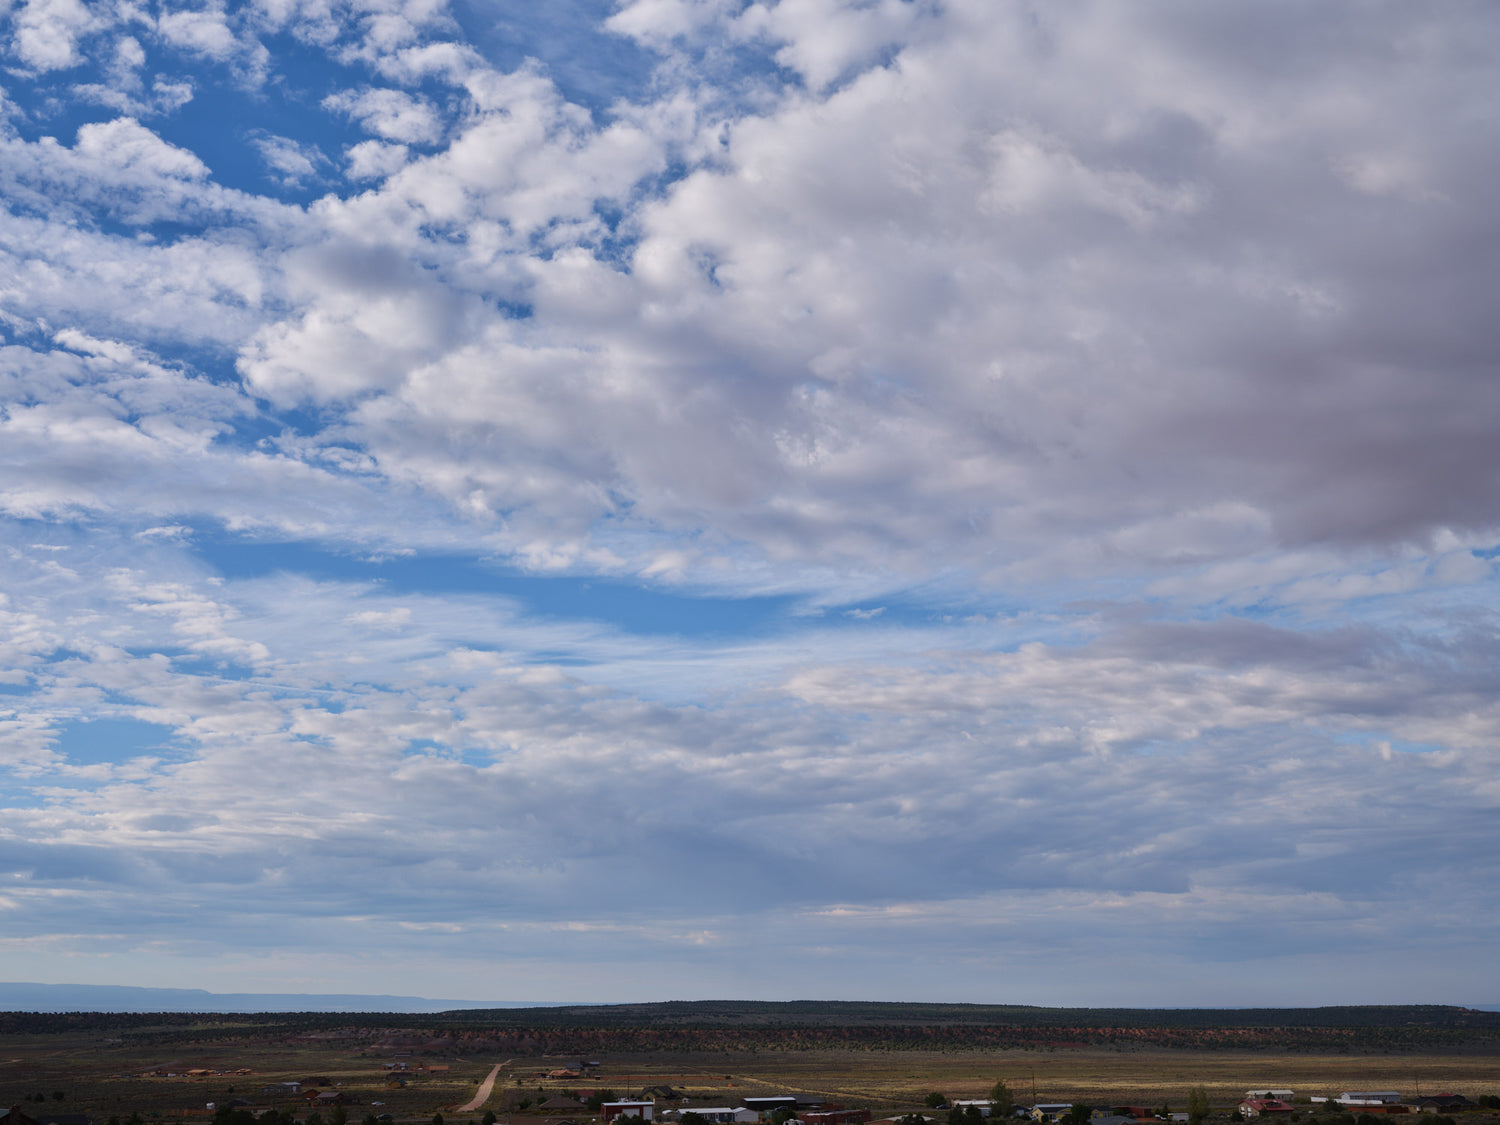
pixel 482 1095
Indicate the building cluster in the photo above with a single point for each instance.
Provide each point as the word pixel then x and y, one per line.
pixel 1261 1103
pixel 805 1111
pixel 1266 1102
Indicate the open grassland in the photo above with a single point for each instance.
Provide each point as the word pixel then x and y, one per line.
pixel 1117 1077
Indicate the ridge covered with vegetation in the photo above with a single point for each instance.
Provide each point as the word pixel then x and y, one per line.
pixel 744 1026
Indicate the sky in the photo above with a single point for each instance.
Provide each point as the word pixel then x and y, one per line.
pixel 967 500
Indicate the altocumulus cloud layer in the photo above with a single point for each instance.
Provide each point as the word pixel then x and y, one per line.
pixel 875 498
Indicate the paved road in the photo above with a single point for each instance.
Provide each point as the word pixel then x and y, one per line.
pixel 485 1087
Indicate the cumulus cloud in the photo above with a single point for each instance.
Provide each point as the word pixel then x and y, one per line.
pixel 46 33
pixel 204 31
pixel 944 326
pixel 372 160
pixel 393 115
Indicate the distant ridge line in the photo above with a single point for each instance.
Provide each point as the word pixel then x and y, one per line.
pixel 18 996
pixel 726 1015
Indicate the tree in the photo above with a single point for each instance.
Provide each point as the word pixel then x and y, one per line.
pixel 690 1118
pixel 1197 1104
pixel 437 1119
pixel 339 1116
pixel 1002 1100
pixel 488 1118
pixel 1078 1114
pixel 934 1100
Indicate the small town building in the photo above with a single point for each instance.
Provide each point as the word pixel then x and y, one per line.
pixel 610 1110
pixel 724 1115
pixel 1264 1107
pixel 1370 1097
pixel 771 1105
pixel 1050 1111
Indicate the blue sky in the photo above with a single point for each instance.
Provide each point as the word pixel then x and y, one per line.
pixel 665 499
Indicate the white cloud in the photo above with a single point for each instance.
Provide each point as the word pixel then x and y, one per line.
pixel 291 163
pixel 204 31
pixel 47 32
pixel 128 145
pixel 393 115
pixel 374 160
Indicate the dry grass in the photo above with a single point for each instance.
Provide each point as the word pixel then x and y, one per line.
pixel 89 1069
pixel 888 1080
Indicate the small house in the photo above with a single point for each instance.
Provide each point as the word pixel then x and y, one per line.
pixel 1050 1111
pixel 1264 1107
pixel 610 1110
